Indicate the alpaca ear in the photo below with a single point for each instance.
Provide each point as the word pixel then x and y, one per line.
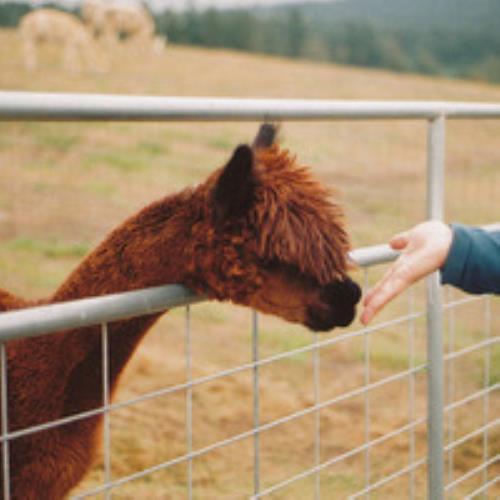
pixel 266 136
pixel 234 191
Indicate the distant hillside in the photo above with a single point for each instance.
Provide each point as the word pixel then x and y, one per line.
pixel 455 38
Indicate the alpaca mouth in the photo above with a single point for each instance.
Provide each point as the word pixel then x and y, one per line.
pixel 323 323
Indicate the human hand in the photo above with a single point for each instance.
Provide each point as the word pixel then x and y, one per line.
pixel 424 249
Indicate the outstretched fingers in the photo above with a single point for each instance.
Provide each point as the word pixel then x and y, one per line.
pixel 424 249
pixel 392 284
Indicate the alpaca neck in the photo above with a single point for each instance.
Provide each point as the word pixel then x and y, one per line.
pixel 147 250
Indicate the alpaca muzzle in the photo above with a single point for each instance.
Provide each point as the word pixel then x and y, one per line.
pixel 337 308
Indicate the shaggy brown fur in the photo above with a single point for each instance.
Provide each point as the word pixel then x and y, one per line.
pixel 260 232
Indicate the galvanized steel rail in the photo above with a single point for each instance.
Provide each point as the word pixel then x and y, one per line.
pixel 24 106
pixel 40 320
pixel 46 106
pixel 87 312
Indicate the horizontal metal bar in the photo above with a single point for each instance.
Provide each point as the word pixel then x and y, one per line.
pixel 233 371
pixel 472 397
pixel 472 472
pixel 238 437
pixel 344 456
pixel 39 320
pixel 203 380
pixel 382 254
pixel 28 326
pixel 472 435
pixel 389 478
pixel 90 107
pixel 491 341
pixel 339 399
pixel 373 255
pixel 35 321
pixel 483 488
pixel 469 299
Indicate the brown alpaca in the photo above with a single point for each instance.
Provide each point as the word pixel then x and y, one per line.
pixel 260 232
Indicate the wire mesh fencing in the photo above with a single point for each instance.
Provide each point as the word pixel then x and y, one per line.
pixel 384 401
pixel 407 407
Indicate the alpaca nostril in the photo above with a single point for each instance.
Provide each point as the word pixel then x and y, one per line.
pixel 345 292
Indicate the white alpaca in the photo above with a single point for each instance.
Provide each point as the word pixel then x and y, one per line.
pixel 59 29
pixel 111 21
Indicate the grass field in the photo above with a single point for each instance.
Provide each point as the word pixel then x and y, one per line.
pixel 64 186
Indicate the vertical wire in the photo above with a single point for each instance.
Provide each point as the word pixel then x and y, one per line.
pixel 5 423
pixel 189 400
pixel 411 389
pixel 487 375
pixel 256 400
pixel 367 430
pixel 105 393
pixel 451 386
pixel 317 415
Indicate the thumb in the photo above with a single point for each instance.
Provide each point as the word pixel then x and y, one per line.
pixel 399 241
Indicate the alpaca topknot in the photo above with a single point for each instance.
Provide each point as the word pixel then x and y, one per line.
pixel 299 222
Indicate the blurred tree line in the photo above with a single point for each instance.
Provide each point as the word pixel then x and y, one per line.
pixel 464 52
pixel 11 12
pixel 401 35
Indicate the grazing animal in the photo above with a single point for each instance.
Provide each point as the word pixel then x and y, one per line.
pixel 260 231
pixel 111 22
pixel 61 30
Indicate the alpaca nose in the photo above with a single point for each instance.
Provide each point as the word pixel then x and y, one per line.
pixel 338 307
pixel 343 297
pixel 343 293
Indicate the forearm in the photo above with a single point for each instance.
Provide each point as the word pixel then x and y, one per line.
pixel 473 263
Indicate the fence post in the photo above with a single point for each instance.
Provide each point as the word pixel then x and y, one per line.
pixel 435 381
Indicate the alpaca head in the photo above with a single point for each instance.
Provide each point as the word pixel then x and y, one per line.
pixel 273 239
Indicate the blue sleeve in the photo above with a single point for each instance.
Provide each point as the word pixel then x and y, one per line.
pixel 473 263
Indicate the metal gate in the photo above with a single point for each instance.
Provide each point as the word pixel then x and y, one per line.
pixel 442 404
